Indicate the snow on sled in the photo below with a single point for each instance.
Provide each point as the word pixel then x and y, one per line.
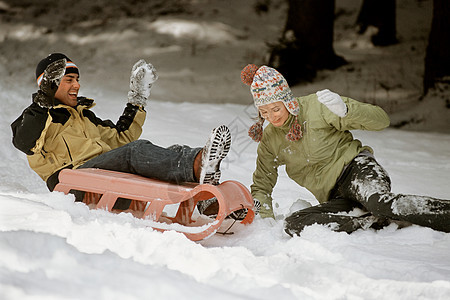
pixel 150 197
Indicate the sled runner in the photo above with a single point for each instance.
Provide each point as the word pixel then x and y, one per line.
pixel 151 196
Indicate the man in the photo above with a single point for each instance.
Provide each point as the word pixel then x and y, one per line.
pixel 59 130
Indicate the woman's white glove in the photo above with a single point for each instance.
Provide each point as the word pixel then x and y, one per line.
pixel 333 101
pixel 143 75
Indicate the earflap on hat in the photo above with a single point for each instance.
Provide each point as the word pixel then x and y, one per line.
pixel 248 73
pixel 295 131
pixel 43 64
pixel 256 130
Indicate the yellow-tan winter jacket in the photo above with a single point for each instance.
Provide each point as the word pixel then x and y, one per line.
pixel 66 137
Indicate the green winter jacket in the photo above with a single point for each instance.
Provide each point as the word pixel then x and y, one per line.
pixel 318 158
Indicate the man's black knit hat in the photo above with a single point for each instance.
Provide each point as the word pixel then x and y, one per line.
pixel 43 64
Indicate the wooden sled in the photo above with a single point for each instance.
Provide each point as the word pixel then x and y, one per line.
pixel 150 196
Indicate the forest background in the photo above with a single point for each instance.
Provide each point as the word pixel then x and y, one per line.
pixel 200 46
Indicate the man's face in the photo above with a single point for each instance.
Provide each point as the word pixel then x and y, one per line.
pixel 68 89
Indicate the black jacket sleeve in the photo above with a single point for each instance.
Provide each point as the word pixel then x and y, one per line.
pixel 27 128
pixel 125 120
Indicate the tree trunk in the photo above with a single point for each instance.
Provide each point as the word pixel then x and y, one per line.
pixel 307 42
pixel 380 14
pixel 437 60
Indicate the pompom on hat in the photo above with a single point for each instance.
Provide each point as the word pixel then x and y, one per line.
pixel 43 64
pixel 267 86
pixel 248 73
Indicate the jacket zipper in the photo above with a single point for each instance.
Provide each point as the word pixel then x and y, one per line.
pixel 68 150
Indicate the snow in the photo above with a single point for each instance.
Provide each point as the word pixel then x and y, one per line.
pixel 54 248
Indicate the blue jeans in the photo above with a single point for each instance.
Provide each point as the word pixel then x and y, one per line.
pixel 141 157
pixel 173 164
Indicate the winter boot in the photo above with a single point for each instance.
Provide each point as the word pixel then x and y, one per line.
pixel 215 150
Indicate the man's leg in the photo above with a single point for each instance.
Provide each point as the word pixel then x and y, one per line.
pixel 173 164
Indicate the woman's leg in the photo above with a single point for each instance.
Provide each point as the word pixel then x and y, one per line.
pixel 329 213
pixel 368 183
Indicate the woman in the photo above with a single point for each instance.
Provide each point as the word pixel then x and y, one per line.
pixel 310 136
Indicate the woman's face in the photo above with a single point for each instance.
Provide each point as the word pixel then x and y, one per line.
pixel 276 113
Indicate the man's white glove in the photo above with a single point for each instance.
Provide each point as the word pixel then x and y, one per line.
pixel 143 75
pixel 333 101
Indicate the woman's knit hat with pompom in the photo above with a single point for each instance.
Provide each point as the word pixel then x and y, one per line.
pixel 267 86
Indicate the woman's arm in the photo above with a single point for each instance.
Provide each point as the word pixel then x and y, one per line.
pixel 362 116
pixel 264 179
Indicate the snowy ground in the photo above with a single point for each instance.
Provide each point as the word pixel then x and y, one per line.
pixel 53 248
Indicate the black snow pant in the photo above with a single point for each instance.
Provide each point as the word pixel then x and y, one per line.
pixel 366 185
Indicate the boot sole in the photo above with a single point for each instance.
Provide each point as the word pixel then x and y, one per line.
pixel 216 149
